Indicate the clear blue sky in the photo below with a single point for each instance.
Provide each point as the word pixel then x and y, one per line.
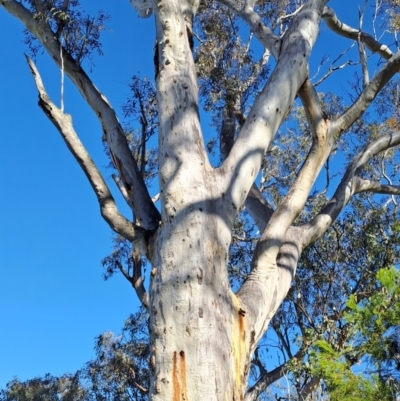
pixel 53 300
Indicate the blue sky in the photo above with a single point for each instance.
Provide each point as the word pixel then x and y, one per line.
pixel 53 300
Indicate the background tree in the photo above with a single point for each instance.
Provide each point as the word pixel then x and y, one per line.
pixel 202 243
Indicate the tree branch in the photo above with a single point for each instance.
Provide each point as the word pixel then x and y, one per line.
pixel 344 121
pixel 264 34
pixel 272 105
pixel 292 204
pixel 267 378
pixel 122 189
pixel 350 185
pixel 346 31
pixel 258 208
pixel 63 122
pixel 145 211
pixel 136 279
pixel 309 388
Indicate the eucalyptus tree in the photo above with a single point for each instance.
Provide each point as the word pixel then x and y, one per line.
pixel 205 323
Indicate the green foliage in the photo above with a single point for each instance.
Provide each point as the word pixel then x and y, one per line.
pixel 78 31
pixel 367 367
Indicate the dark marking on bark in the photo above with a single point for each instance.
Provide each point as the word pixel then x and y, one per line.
pixel 201 313
pixel 242 312
pixel 200 277
pixel 252 337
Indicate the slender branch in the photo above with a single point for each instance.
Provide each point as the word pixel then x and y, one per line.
pixel 350 185
pixel 264 34
pixel 312 107
pixel 309 388
pixel 267 378
pixel 145 211
pixel 136 279
pixel 386 176
pixel 361 49
pixel 63 122
pixel 344 121
pixel 342 29
pixel 376 187
pixel 122 189
pixel 138 282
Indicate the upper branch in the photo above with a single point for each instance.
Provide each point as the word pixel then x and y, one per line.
pixel 294 201
pixel 349 186
pixel 180 137
pixel 144 209
pixel 267 378
pixel 63 123
pixel 136 279
pixel 272 105
pixel 264 34
pixel 342 29
pixel 355 111
pixel 258 208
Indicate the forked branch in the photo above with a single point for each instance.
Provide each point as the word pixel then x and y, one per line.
pixel 346 31
pixel 350 185
pixel 136 279
pixel 356 110
pixel 63 123
pixel 294 201
pixel 264 34
pixel 144 209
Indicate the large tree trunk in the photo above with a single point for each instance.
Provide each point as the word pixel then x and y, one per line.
pixel 198 329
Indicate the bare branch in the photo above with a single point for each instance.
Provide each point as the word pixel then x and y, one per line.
pixel 259 209
pixel 227 135
pixel 145 211
pixel 256 205
pixel 342 29
pixel 294 201
pixel 350 185
pixel 136 279
pixel 364 64
pixel 309 388
pixel 63 122
pixel 122 189
pixel 333 68
pixel 376 187
pixel 386 176
pixel 254 22
pixel 272 105
pixel 361 49
pixel 138 283
pixel 312 107
pixel 267 378
pixel 355 111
